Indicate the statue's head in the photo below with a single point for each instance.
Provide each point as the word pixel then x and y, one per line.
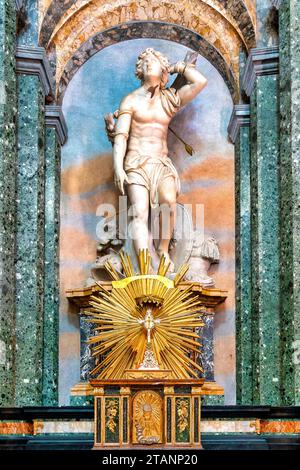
pixel 152 63
pixel 147 410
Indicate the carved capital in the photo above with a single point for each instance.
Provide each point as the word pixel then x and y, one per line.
pixel 240 117
pixel 261 61
pixel 33 61
pixel 196 390
pixel 54 118
pixel 124 390
pixel 98 391
pixel 169 390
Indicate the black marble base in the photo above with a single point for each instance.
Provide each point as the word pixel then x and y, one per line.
pixel 212 412
pixel 84 442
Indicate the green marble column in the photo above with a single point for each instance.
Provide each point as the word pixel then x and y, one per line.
pixel 8 105
pixel 33 84
pixel 239 133
pixel 289 50
pixel 260 82
pixel 56 134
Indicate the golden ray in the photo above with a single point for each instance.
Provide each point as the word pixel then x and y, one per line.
pixel 181 273
pixel 111 270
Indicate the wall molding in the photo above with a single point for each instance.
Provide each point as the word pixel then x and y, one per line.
pixel 33 61
pixel 240 117
pixel 54 118
pixel 261 61
pixel 207 412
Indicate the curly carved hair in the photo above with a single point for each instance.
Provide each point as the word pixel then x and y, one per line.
pixel 162 59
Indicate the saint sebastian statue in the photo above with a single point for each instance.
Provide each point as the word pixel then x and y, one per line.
pixel 140 153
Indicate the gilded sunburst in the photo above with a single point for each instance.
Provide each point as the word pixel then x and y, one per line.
pixel 145 311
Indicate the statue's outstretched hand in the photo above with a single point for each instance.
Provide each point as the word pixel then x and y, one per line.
pixel 120 178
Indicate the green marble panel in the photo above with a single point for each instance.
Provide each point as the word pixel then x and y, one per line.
pixel 169 419
pixel 8 109
pixel 125 420
pixel 212 400
pixel 289 59
pixel 244 374
pixel 265 241
pixel 99 418
pixel 51 280
pixel 83 400
pixel 254 243
pixel 196 420
pixel 30 242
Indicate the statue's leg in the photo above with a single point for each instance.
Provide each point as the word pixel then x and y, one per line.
pixel 167 201
pixel 139 200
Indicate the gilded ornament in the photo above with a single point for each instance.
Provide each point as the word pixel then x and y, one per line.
pixel 133 334
pixel 147 417
pixel 111 413
pixel 182 410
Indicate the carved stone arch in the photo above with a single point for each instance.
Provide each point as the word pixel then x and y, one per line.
pixel 238 9
pixel 153 30
pixel 86 18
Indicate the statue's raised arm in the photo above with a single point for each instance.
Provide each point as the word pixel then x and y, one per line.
pixel 195 81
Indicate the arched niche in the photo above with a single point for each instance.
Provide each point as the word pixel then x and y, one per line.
pixel 207 178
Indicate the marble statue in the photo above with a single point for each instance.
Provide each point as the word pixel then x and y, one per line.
pixel 200 253
pixel 108 248
pixel 142 166
pixel 204 254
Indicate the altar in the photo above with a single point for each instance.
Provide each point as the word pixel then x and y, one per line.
pixel 168 411
pixel 211 392
pixel 148 336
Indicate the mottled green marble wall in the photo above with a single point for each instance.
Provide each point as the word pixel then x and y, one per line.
pixel 51 280
pixel 289 48
pixel 8 105
pixel 29 215
pixel 258 234
pixel 265 241
pixel 30 241
pixel 254 241
pixel 243 267
pixel 239 134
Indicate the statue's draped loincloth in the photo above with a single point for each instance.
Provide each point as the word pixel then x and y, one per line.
pixel 152 171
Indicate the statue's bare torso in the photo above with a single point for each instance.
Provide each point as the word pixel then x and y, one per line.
pixel 149 126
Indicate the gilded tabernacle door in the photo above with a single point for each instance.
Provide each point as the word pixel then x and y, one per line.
pixel 147 418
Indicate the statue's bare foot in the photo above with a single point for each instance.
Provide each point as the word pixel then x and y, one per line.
pixel 167 260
